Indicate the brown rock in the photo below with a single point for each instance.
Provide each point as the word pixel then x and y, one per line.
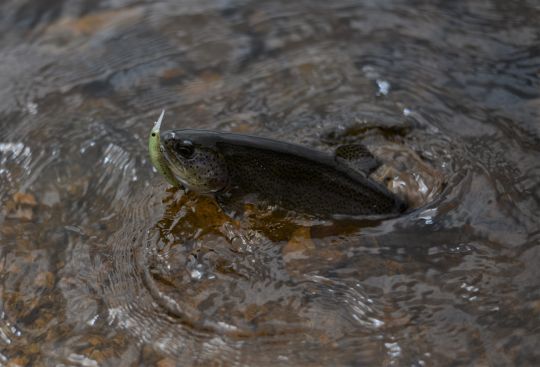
pixel 172 73
pixel 166 362
pixel 24 198
pixel 299 243
pixel 44 279
pixel 18 361
pixel 21 213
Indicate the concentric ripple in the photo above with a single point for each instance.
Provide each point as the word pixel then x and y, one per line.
pixel 184 294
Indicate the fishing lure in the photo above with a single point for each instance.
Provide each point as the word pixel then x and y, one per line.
pixel 156 153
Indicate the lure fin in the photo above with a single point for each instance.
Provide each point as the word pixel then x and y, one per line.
pixel 157 124
pixel 356 157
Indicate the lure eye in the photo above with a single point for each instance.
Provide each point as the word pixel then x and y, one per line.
pixel 184 148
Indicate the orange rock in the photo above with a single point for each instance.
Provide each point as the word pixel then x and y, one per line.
pixel 172 73
pixel 94 22
pixel 44 279
pixel 23 198
pixel 21 213
pixel 166 362
pixel 299 243
pixel 18 361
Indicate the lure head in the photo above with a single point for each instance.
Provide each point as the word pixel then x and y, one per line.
pixel 194 162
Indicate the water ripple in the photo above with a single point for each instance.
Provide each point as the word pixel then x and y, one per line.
pixel 101 264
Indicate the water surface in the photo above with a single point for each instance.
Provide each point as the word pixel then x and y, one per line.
pixel 102 265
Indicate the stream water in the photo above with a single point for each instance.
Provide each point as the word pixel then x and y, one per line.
pixel 102 264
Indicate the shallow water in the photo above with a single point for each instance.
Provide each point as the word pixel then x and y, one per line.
pixel 102 264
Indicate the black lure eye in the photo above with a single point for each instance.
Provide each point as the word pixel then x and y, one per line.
pixel 184 148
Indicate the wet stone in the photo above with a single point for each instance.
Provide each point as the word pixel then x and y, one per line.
pixel 299 243
pixel 166 362
pixel 25 199
pixel 407 175
pixel 21 206
pixel 45 279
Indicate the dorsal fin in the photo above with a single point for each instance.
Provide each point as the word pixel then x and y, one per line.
pixel 356 157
